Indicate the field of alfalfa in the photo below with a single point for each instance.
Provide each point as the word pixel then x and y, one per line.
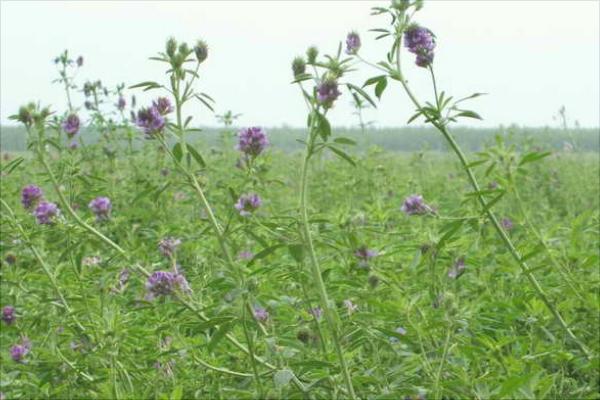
pixel 142 259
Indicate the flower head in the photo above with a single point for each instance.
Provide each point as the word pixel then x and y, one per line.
pixel 163 283
pixel 80 61
pixel 364 255
pixel 19 351
pixel 245 255
pixel 73 145
pixel 247 203
pixel 298 66
pixel 420 41
pixel 45 212
pixel 150 120
pixel 168 245
pixel 350 306
pixel 252 141
pixel 414 205
pixel 201 51
pixel 71 125
pixel 8 314
pixel 260 314
pixel 101 206
pixel 316 312
pixel 457 269
pixel 327 92
pixel 121 103
pixel 30 195
pixel 163 105
pixel 352 43
pixel 507 224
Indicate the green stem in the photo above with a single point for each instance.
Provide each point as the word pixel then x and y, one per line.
pixel 330 314
pixel 251 350
pixel 490 214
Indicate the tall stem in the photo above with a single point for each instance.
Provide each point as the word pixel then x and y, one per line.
pixel 490 214
pixel 330 313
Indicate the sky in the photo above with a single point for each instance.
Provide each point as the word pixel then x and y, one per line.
pixel 531 57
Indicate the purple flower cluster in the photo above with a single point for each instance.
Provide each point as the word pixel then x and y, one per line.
pixel 420 41
pixel 19 351
pixel 8 314
pixel 252 141
pixel 327 93
pixel 46 212
pixel 101 206
pixel 164 283
pixel 248 203
pixel 150 120
pixel 245 255
pixel 507 224
pixel 30 196
pixel 352 43
pixel 316 312
pixel 121 103
pixel 71 125
pixel 163 105
pixel 168 245
pixel 261 314
pixel 414 205
pixel 457 269
pixel 364 255
pixel 350 306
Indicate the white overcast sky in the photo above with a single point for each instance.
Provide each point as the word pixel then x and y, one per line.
pixel 532 57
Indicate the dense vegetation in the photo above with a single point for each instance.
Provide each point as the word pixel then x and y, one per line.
pixel 141 258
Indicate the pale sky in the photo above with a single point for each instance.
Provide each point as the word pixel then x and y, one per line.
pixel 532 57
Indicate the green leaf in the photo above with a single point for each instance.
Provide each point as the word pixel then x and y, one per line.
pixel 177 152
pixel 196 155
pixel 535 156
pixel 468 114
pixel 362 93
pixel 345 140
pixel 342 154
pixel 380 87
pixel 147 84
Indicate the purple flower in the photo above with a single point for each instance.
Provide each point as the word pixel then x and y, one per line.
pixel 121 103
pixel 8 315
pixel 247 203
pixel 163 105
pixel 245 255
pixel 150 120
pixel 414 205
pixel 457 269
pixel 493 185
pixel 79 61
pixel 260 314
pixel 168 245
pixel 73 145
pixel 252 141
pixel 316 312
pixel 420 41
pixel 327 93
pixel 163 283
pixel 507 224
pixel 19 351
pixel 350 306
pixel 400 331
pixel 364 255
pixel 101 206
pixel 352 43
pixel 71 125
pixel 30 195
pixel 45 213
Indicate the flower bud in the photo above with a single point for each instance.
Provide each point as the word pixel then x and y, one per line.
pixel 311 54
pixel 184 50
pixel 171 47
pixel 201 51
pixel 352 43
pixel 298 66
